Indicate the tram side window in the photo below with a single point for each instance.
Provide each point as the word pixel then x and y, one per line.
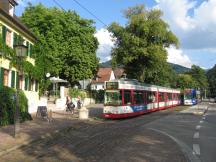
pixel 127 97
pixel 169 96
pixel 151 97
pixel 161 97
pixel 177 96
pixel 138 97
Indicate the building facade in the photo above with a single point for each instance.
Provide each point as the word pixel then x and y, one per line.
pixel 13 32
pixel 103 74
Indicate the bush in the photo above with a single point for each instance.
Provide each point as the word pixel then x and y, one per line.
pixel 74 93
pixel 98 95
pixel 8 106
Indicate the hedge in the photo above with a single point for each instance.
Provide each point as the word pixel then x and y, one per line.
pixel 8 106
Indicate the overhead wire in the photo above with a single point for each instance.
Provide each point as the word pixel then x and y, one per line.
pixel 86 9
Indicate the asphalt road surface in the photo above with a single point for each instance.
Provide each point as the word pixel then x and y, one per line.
pixel 163 136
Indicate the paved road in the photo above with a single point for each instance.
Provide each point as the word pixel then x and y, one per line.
pixel 160 136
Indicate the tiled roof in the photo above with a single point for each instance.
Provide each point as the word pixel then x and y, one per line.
pixel 118 72
pixel 103 75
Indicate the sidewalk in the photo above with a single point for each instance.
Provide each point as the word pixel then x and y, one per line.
pixel 36 129
pixel 199 109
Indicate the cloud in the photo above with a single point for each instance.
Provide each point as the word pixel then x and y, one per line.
pixel 193 24
pixel 177 56
pixel 106 43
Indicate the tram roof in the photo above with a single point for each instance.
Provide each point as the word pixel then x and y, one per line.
pixel 136 82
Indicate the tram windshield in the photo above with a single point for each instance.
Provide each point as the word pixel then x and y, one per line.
pixel 113 98
pixel 188 96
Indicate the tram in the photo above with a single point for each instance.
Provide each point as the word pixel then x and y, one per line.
pixel 126 98
pixel 190 97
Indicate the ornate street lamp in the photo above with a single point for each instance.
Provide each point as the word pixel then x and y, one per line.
pixel 20 51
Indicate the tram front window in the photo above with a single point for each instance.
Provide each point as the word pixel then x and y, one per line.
pixel 113 98
pixel 188 96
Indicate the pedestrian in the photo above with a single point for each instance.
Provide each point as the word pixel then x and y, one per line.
pixel 79 103
pixel 70 106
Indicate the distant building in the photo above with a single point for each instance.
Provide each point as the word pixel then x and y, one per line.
pixel 103 74
pixel 14 32
pixel 119 73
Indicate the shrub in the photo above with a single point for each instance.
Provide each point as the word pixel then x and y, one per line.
pixel 8 106
pixel 98 95
pixel 74 93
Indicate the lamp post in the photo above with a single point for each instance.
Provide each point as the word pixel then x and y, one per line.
pixel 20 51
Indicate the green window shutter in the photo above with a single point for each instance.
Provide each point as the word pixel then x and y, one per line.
pixel 27 44
pixel 15 39
pixel 30 82
pixel 36 85
pixel 26 82
pixel 17 80
pixel 30 51
pixel 1 76
pixel 4 31
pixel 13 79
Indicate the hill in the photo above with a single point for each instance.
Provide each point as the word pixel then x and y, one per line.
pixel 177 68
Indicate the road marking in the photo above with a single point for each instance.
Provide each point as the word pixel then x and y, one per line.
pixel 198 127
pixel 201 121
pixel 196 135
pixel 196 149
pixel 189 153
pixel 203 118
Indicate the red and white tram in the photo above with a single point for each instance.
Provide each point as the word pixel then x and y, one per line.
pixel 125 98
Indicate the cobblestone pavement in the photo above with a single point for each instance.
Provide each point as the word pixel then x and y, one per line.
pixel 104 140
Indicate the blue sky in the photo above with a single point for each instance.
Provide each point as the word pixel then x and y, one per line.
pixel 193 21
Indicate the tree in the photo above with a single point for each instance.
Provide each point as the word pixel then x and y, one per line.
pixel 66 46
pixel 185 81
pixel 199 77
pixel 211 75
pixel 140 45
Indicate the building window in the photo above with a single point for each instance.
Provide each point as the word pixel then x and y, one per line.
pixel 21 82
pixel 8 38
pixel 11 9
pixel 6 74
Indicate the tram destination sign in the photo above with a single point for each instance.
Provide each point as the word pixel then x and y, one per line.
pixel 111 85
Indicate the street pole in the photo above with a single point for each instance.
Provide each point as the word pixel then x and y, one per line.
pixel 17 116
pixel 21 51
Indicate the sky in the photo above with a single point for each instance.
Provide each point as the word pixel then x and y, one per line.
pixel 192 21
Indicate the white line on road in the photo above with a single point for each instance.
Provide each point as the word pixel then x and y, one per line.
pixel 196 149
pixel 196 135
pixel 201 121
pixel 198 127
pixel 185 148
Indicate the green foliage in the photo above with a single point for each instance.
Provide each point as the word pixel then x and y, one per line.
pixel 185 81
pixel 8 105
pixel 98 96
pixel 211 75
pixel 5 50
pixel 74 93
pixel 67 46
pixel 24 66
pixel 199 77
pixel 140 45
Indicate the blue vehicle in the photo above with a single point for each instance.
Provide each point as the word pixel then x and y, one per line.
pixel 190 97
